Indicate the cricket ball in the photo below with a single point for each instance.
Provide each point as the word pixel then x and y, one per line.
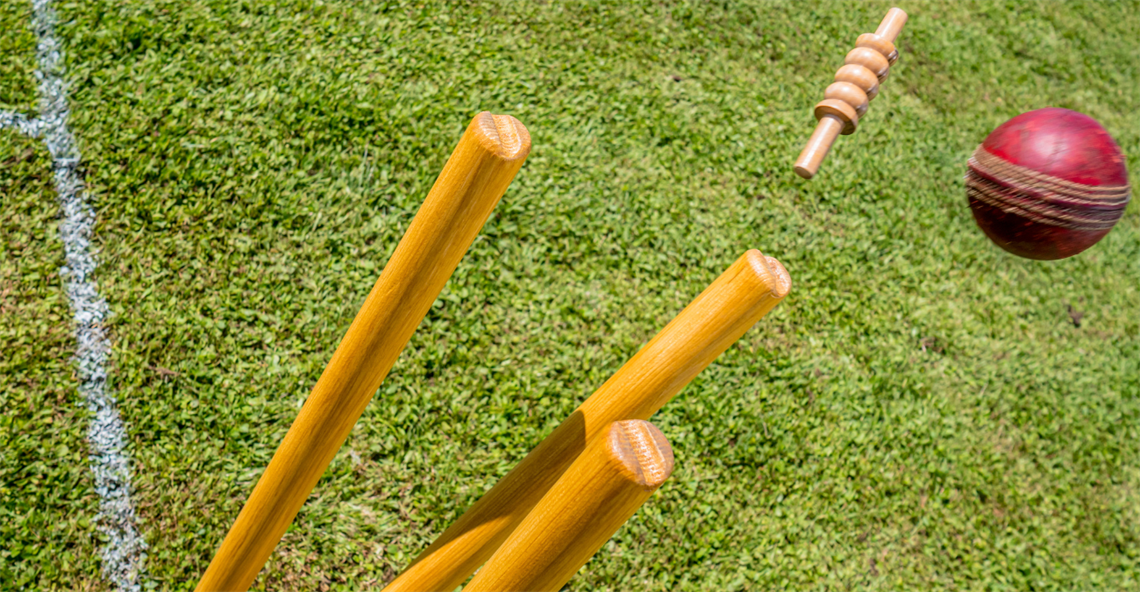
pixel 1047 184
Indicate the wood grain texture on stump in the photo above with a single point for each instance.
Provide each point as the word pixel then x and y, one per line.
pixel 598 493
pixel 713 321
pixel 476 175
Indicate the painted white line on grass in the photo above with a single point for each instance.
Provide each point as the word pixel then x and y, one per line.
pixel 16 121
pixel 125 551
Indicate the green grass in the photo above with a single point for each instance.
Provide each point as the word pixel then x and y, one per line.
pixel 17 46
pixel 920 413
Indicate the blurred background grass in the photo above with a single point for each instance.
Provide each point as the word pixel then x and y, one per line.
pixel 923 411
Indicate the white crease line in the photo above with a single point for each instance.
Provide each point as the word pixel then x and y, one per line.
pixel 125 551
pixel 17 121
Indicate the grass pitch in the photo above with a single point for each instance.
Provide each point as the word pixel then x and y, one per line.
pixel 922 412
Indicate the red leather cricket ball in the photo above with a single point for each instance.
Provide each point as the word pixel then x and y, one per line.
pixel 1047 184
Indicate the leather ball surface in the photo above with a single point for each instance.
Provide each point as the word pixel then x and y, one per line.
pixel 1047 184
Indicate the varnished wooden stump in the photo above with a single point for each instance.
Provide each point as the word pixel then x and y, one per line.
pixel 600 491
pixel 713 321
pixel 482 166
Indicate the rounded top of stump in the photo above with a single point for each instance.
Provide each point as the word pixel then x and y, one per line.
pixel 771 271
pixel 641 451
pixel 503 135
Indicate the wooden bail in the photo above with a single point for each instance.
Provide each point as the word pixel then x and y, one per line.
pixel 474 178
pixel 892 24
pixel 865 67
pixel 720 315
pixel 601 490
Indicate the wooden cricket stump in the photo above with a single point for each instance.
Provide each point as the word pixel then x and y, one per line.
pixel 733 303
pixel 476 175
pixel 598 493
pixel 856 83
